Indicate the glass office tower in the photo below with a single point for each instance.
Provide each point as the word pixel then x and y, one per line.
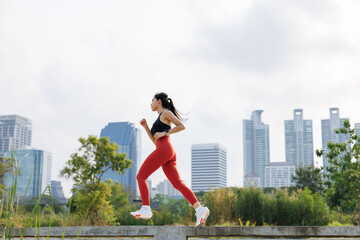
pixel 35 168
pixel 128 137
pixel 57 192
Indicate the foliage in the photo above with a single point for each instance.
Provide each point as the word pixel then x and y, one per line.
pixel 91 195
pixel 253 206
pixel 342 177
pixel 280 207
pixel 170 211
pixel 173 210
pixel 95 157
pixel 308 177
pixel 249 204
pixel 222 203
pixel 311 209
pixel 91 202
pixel 247 224
pixel 119 197
pixel 6 166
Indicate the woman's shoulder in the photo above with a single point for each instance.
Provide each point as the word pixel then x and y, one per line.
pixel 167 112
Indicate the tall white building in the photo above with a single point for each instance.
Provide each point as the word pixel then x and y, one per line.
pixel 15 132
pixel 35 168
pixel 208 167
pixel 256 149
pixel 299 149
pixel 328 127
pixel 278 174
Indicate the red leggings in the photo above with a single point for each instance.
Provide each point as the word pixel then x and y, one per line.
pixel 164 156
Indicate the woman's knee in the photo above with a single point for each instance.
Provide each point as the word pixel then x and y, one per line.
pixel 140 177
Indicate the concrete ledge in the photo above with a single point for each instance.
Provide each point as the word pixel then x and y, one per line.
pixel 182 232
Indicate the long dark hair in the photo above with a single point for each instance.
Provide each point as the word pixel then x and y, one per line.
pixel 168 103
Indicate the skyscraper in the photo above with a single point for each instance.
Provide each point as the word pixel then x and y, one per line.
pixel 35 168
pixel 128 137
pixel 299 140
pixel 328 127
pixel 208 167
pixel 256 149
pixel 357 129
pixel 15 131
pixel 57 192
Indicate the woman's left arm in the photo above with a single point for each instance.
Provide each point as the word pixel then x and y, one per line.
pixel 179 126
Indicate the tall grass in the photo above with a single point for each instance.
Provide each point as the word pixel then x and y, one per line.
pixel 11 208
pixel 298 208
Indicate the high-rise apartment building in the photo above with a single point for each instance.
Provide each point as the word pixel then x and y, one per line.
pixel 278 174
pixel 208 167
pixel 128 137
pixel 299 140
pixel 15 133
pixel 35 168
pixel 328 127
pixel 256 149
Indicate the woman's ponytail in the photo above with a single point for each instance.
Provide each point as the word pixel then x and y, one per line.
pixel 169 104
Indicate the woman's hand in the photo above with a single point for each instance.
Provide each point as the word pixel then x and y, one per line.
pixel 159 135
pixel 143 122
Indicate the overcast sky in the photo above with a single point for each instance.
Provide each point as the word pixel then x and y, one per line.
pixel 73 66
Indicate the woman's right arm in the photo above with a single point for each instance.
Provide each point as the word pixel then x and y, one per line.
pixel 147 129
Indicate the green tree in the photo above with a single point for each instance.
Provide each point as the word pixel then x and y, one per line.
pixel 308 177
pixel 342 177
pixel 92 203
pixel 6 165
pixel 119 197
pixel 87 166
pixel 311 209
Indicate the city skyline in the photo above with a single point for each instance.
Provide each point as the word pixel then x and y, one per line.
pixel 256 116
pixel 218 61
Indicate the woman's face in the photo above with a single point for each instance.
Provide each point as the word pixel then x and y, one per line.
pixel 155 104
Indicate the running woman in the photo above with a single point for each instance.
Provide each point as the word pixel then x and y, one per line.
pixel 164 156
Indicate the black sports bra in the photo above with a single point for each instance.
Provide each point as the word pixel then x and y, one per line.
pixel 159 126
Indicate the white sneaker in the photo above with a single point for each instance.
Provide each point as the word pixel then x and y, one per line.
pixel 201 215
pixel 143 213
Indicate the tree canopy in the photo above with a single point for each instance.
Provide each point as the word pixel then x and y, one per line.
pixel 342 176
